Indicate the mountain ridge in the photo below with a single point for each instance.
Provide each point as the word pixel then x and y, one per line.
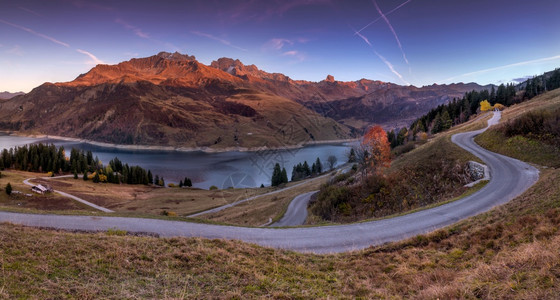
pixel 171 99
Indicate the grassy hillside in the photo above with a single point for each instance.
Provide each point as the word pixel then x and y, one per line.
pixel 529 131
pixel 511 252
pixel 432 173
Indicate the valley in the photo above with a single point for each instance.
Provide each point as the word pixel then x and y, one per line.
pixel 171 100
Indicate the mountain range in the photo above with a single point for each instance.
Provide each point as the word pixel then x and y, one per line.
pixel 8 95
pixel 171 99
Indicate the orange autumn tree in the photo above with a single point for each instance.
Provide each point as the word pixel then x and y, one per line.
pixel 376 148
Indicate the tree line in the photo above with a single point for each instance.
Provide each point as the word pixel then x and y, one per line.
pixel 300 171
pixel 458 111
pixel 35 158
pixel 49 158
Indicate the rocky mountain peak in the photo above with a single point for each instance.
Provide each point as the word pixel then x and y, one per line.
pixel 176 56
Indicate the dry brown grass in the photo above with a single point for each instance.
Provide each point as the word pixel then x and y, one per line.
pixel 260 210
pixel 49 202
pixel 524 146
pixel 512 252
pixel 149 199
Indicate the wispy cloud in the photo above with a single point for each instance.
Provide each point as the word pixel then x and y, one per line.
pixel 15 50
pixel 392 30
pixel 522 63
pixel 278 43
pixel 137 31
pixel 90 5
pixel 35 33
pixel 295 54
pixel 215 38
pixel 30 11
pixel 258 10
pixel 94 60
pixel 386 14
pixel 382 58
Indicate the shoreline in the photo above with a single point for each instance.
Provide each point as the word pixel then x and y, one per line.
pixel 178 149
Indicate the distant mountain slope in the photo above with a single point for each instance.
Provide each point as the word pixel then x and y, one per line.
pixel 166 100
pixel 171 99
pixel 8 95
pixel 355 103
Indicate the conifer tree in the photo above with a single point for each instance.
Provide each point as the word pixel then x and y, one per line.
pixel 8 189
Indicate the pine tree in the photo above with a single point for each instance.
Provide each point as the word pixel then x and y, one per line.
pixel 150 177
pixel 319 166
pixel 445 121
pixel 181 183
pixel 96 177
pixel 352 156
pixel 437 124
pixel 156 181
pixel 276 178
pixel 284 178
pixel 306 169
pixel 85 176
pixel 75 174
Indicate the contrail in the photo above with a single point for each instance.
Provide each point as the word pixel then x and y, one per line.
pixel 383 59
pixel 364 38
pixel 522 63
pixel 35 33
pixel 391 67
pixel 225 42
pixel 390 12
pixel 392 30
pixel 94 59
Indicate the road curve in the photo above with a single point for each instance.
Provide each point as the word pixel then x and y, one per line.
pixel 510 177
pixel 297 211
pixel 343 168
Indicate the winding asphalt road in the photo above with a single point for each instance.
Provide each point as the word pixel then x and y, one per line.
pixel 343 168
pixel 297 211
pixel 510 178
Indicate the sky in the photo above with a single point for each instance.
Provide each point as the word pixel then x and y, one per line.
pixel 417 42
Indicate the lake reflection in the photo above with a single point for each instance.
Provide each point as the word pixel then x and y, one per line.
pixel 225 169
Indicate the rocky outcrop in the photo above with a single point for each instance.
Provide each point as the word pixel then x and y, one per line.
pixel 478 172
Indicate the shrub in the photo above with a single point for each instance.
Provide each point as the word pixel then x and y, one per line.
pixel 8 189
pixel 115 231
pixel 400 150
pixel 169 213
pixel 540 125
pixel 213 188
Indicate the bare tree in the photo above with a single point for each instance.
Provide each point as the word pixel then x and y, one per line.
pixel 332 161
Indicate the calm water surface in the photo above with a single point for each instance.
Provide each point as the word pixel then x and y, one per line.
pixel 226 169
